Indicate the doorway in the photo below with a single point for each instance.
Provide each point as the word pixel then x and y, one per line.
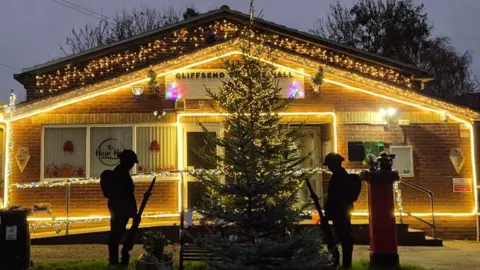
pixel 311 142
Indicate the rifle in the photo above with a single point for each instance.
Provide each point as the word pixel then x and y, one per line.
pixel 136 221
pixel 331 243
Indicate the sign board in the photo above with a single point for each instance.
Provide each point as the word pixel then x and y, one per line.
pixel 192 83
pixel 462 185
pixel 403 161
pixel 108 151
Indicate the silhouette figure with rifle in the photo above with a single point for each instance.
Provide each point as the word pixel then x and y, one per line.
pixel 117 186
pixel 343 191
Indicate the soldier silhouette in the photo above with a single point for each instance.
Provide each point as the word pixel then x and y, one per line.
pixel 118 187
pixel 338 207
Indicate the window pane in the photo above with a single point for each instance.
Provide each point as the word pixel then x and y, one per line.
pixel 196 142
pixel 64 152
pixel 156 149
pixel 105 145
pixel 196 191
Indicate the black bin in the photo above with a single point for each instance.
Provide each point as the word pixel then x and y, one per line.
pixel 14 240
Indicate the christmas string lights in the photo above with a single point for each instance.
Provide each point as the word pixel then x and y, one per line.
pixel 388 88
pixel 182 41
pixel 398 193
pixel 118 83
pixel 84 181
pixel 96 180
pixel 56 224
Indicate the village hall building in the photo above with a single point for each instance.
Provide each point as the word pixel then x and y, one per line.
pixel 147 93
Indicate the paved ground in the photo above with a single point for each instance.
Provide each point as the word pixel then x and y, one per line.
pixel 454 254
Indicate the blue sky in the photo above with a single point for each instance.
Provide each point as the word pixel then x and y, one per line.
pixel 31 31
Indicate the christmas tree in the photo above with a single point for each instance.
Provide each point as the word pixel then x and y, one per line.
pixel 252 197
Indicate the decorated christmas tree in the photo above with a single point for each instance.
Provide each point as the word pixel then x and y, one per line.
pixel 252 198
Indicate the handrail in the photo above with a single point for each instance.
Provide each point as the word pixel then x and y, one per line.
pixel 432 202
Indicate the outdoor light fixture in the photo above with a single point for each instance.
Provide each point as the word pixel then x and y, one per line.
pixel 387 114
pixel 137 91
pixel 162 113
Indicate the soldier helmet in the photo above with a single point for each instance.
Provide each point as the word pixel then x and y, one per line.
pixel 333 158
pixel 128 156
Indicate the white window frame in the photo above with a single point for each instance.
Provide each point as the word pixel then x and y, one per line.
pixel 87 144
pixel 412 174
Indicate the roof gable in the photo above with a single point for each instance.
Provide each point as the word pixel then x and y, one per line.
pixel 335 76
pixel 190 35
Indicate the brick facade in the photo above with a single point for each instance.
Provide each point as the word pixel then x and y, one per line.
pixel 431 140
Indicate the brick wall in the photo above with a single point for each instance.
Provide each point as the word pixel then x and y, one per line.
pixel 431 142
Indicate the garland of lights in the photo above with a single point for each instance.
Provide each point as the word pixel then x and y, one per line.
pixel 96 180
pixel 399 196
pixel 182 41
pixel 224 47
pixel 56 224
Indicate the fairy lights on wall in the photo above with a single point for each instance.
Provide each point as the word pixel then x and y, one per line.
pixel 96 180
pixel 185 40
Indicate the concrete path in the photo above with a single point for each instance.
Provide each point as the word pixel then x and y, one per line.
pixel 454 254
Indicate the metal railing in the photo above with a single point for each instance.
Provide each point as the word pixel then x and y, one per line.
pixel 432 205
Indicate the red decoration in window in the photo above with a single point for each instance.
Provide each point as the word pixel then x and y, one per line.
pixel 68 147
pixel 154 146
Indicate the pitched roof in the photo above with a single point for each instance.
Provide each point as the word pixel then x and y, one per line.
pixel 223 13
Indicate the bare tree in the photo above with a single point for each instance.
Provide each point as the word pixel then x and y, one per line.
pixel 399 29
pixel 125 24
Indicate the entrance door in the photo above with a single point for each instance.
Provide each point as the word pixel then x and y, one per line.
pixel 194 142
pixel 310 142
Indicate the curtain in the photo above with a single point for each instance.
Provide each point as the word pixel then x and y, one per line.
pixel 156 149
pixel 64 152
pixel 105 145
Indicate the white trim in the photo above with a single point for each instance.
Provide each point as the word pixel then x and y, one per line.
pixel 87 150
pixel 134 146
pixel 42 154
pixel 412 174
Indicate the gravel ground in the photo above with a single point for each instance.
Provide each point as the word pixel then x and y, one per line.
pixel 454 254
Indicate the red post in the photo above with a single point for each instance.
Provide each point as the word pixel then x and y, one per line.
pixel 383 227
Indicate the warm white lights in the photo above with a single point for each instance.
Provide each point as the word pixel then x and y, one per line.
pixel 386 112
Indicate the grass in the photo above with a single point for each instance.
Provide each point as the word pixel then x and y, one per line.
pixel 78 265
pixel 102 264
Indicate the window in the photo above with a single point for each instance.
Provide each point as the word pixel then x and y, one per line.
pixel 105 145
pixel 66 156
pixel 356 151
pixel 156 149
pixel 359 151
pixel 196 144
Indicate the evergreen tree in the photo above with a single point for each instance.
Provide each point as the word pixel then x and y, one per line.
pixel 254 191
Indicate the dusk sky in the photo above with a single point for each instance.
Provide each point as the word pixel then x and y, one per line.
pixel 32 30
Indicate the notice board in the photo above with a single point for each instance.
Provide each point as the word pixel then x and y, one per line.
pixel 462 185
